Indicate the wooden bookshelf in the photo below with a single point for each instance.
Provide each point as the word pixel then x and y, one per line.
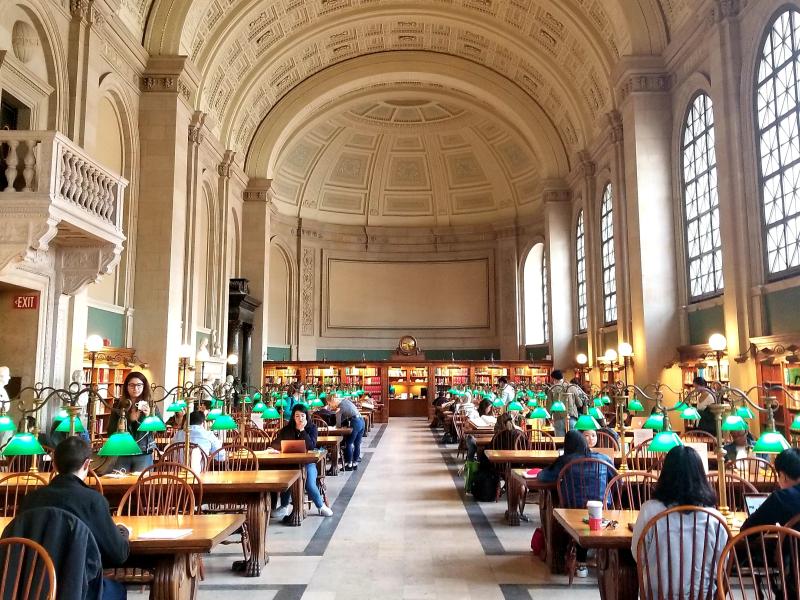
pixel 111 367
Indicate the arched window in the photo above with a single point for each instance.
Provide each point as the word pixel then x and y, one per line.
pixel 777 119
pixel 701 202
pixel 580 270
pixel 609 259
pixel 534 276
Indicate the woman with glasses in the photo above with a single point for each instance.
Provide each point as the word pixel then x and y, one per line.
pixel 135 401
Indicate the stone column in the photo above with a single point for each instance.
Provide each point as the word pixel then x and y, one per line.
pixel 647 116
pixel 725 62
pixel 257 213
pixel 247 356
pixel 507 269
pixel 591 204
pixel 165 115
pixel 235 346
pixel 559 241
pixel 80 35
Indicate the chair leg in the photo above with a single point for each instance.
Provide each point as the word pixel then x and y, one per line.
pixel 571 562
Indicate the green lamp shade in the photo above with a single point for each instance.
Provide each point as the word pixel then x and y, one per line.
pixel 177 406
pixel 247 400
pixel 317 403
pixel 654 422
pixel 558 407
pixel 795 426
pixel 259 407
pixel 224 423
pixel 323 395
pixel 664 441
pixel 605 399
pixel 530 394
pixel 514 406
pixel 733 423
pixel 257 396
pixel 596 413
pixel 634 405
pixel 213 414
pixel 520 395
pixel 497 403
pixel 63 427
pixel 120 444
pixel 217 403
pixel 690 413
pixel 539 412
pixel 587 423
pixel 680 405
pixel 23 444
pixel 597 402
pixel 151 423
pixel 60 415
pixel 6 424
pixel 771 442
pixel 541 395
pixel 532 403
pixel 270 413
pixel 744 412
pixel 280 403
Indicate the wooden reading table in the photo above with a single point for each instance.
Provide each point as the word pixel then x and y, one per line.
pixel 174 560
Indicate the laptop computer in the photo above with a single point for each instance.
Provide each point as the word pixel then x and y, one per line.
pixel 753 501
pixel 293 447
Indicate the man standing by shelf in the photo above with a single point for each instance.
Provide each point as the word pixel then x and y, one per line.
pixel 573 397
pixel 507 391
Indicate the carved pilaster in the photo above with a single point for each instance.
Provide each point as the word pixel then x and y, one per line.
pixel 725 9
pixel 586 165
pixel 224 168
pixel 196 128
pixel 167 74
pixel 80 9
pixel 307 292
pixel 615 126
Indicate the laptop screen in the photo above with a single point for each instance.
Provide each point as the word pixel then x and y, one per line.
pixel 753 501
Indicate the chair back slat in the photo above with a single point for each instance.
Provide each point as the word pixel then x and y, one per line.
pixel 26 569
pixel 755 470
pixel 698 436
pixel 606 440
pixel 582 480
pixel 541 440
pixel 233 457
pixel 629 490
pixel 174 453
pixel 14 487
pixel 761 562
pixel 643 460
pixel 181 471
pixel 678 553
pixel 158 494
pixel 735 487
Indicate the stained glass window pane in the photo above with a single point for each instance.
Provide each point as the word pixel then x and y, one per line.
pixel 701 202
pixel 609 259
pixel 777 120
pixel 580 254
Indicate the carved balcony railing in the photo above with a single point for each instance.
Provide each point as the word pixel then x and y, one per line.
pixel 39 163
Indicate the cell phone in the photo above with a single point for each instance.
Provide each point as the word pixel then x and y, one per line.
pixel 142 405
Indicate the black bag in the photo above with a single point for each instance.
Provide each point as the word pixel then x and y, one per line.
pixel 448 438
pixel 484 485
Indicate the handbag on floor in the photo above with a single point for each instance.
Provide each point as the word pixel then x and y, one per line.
pixel 470 468
pixel 484 485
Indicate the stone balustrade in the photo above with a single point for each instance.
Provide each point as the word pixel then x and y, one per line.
pixel 47 163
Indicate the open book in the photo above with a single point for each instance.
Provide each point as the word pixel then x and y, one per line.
pixel 164 534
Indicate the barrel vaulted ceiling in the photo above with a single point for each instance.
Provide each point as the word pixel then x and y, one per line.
pixel 252 56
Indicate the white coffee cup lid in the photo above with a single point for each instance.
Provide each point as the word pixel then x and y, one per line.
pixel 594 504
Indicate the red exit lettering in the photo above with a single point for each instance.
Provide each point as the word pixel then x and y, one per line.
pixel 29 302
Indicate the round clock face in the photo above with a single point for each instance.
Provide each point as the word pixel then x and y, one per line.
pixel 407 344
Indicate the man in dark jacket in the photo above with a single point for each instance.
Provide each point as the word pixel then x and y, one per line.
pixel 784 503
pixel 68 492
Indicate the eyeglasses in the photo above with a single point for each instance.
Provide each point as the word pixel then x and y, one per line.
pixel 612 525
pixel 136 385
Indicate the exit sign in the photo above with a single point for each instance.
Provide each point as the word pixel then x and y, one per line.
pixel 27 302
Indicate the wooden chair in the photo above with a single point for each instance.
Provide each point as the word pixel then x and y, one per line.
pixel 541 440
pixel 794 522
pixel 697 436
pixel 28 572
pixel 257 439
pixel 606 440
pixel 163 438
pixel 579 481
pixel 736 487
pixel 629 490
pixel 507 440
pixel 319 421
pixel 688 570
pixel 174 453
pixel 14 487
pixel 158 494
pixel 761 562
pixel 92 480
pixel 757 471
pixel 181 471
pixel 459 420
pixel 233 457
pixel 643 460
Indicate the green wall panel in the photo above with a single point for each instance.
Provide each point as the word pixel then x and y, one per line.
pixel 704 322
pixel 582 345
pixel 464 354
pixel 108 325
pixel 279 353
pixel 344 354
pixel 537 352
pixel 781 311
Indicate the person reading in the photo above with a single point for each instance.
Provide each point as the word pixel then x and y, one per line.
pixel 68 492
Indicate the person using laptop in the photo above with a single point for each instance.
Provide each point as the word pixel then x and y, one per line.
pixel 783 504
pixel 300 428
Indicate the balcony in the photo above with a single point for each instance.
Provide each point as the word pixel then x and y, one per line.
pixel 55 198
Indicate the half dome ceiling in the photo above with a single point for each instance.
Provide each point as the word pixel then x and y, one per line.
pixel 406 159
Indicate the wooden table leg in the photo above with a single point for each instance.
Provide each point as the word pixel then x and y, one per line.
pixel 335 458
pixel 512 489
pixel 296 518
pixel 616 574
pixel 256 519
pixel 175 578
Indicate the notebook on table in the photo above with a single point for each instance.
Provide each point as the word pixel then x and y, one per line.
pixel 293 447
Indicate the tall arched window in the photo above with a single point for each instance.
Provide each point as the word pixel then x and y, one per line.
pixel 777 119
pixel 545 299
pixel 701 202
pixel 609 259
pixel 580 270
pixel 534 275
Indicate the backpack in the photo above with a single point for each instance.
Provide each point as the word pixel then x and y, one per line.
pixel 484 485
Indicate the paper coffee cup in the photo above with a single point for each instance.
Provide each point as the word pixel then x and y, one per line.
pixel 595 509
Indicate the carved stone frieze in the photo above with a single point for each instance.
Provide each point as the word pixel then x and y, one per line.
pixel 644 82
pixel 549 196
pixel 307 292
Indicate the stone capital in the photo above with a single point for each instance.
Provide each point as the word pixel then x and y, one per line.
pixel 640 74
pixel 722 10
pixel 196 127
pixel 586 166
pixel 224 167
pixel 168 74
pixel 259 190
